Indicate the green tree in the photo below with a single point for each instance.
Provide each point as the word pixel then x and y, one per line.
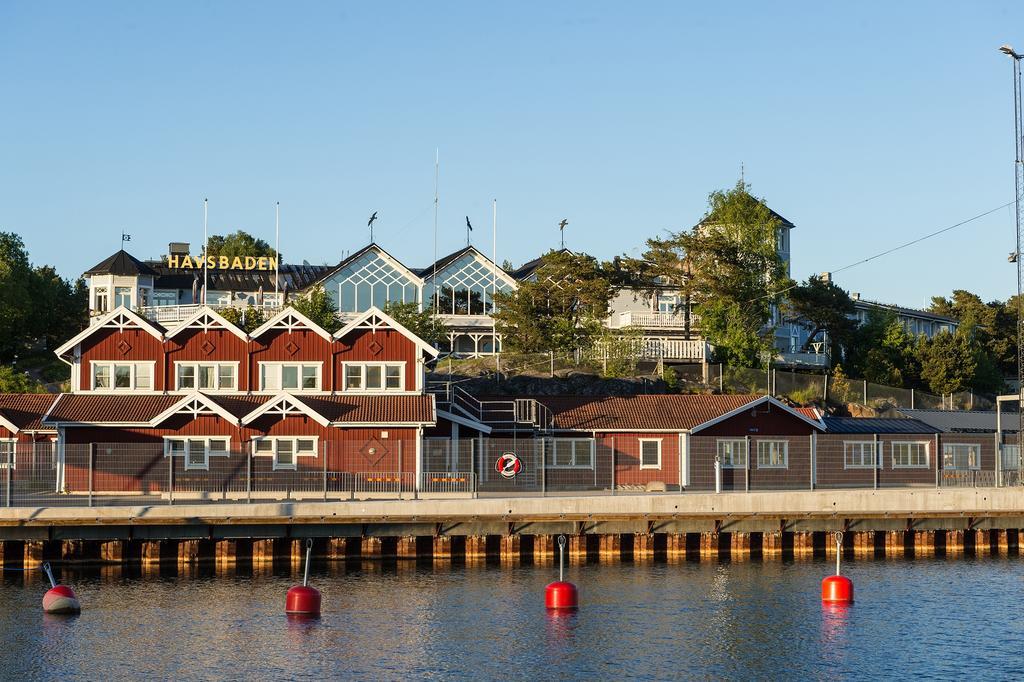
pixel 13 381
pixel 827 310
pixel 239 243
pixel 992 325
pixel 247 320
pixel 562 309
pixel 15 295
pixel 949 362
pixel 318 307
pixel 729 267
pixel 423 324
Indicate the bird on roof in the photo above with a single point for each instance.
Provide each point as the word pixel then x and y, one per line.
pixel 369 223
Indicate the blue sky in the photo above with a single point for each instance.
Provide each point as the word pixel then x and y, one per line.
pixel 866 124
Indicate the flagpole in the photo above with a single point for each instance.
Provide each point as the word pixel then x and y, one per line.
pixel 206 247
pixel 494 273
pixel 433 279
pixel 277 248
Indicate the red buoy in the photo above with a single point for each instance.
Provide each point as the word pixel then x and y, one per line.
pixel 561 595
pixel 61 599
pixel 303 600
pixel 837 589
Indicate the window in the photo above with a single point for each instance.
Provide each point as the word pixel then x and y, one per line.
pixel 206 376
pixel 165 297
pixel 772 454
pixel 289 376
pixel 123 296
pixel 122 376
pixel 568 453
pixel 650 453
pixel 285 450
pixel 668 304
pixel 961 456
pixel 859 454
pixel 196 452
pixel 733 453
pixel 143 297
pixel 1011 458
pixel 102 301
pixel 907 455
pixel 8 453
pixel 374 376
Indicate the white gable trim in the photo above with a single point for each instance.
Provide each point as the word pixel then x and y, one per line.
pixel 194 404
pixel 289 319
pixel 120 318
pixel 481 258
pixel 365 321
pixel 9 425
pixel 213 320
pixel 394 262
pixel 287 400
pixel 753 404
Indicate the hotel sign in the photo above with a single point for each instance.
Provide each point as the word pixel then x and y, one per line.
pixel 187 262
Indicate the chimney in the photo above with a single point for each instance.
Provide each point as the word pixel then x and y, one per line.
pixel 855 295
pixel 177 249
pixel 825 277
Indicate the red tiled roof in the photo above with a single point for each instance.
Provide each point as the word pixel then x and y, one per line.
pixel 239 404
pixel 373 409
pixel 809 412
pixel 105 408
pixel 26 410
pixel 643 412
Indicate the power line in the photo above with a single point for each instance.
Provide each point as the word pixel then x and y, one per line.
pixel 895 248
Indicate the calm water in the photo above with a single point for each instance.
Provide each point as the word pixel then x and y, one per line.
pixel 925 618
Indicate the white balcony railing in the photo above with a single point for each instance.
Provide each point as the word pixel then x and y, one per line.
pixel 652 320
pixel 654 348
pixel 179 313
pixel 802 359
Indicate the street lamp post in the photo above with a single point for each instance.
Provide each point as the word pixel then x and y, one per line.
pixel 1018 188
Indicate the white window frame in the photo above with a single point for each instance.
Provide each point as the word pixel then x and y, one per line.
pixel 721 458
pixel 12 445
pixel 207 453
pixel 276 440
pixel 975 446
pixel 362 377
pixel 553 444
pixel 847 447
pixel 775 441
pixel 133 380
pixel 1013 450
pixel 641 441
pixel 927 454
pixel 278 369
pixel 101 298
pixel 195 365
pixel 131 297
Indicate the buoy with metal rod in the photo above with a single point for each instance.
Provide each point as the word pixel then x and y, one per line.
pixel 561 594
pixel 837 589
pixel 303 600
pixel 59 598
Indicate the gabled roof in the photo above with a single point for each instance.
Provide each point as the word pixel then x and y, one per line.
pixel 204 319
pixel 290 319
pixel 374 319
pixel 641 412
pixel 355 256
pixel 873 425
pixel 285 404
pixel 25 411
pixel 129 409
pixel 525 270
pixel 427 273
pixel 904 311
pixel 195 404
pixel 121 263
pixel 120 318
pixel 814 420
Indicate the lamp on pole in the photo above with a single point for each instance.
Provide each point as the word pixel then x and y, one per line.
pixel 1018 188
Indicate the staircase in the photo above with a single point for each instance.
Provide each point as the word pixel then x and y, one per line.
pixel 502 413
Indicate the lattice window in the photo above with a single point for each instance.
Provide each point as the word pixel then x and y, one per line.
pixel 371 280
pixel 463 287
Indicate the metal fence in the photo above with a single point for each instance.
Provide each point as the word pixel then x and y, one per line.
pixel 107 474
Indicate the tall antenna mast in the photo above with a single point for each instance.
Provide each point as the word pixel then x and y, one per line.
pixel 433 279
pixel 494 274
pixel 1018 196
pixel 277 248
pixel 206 248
